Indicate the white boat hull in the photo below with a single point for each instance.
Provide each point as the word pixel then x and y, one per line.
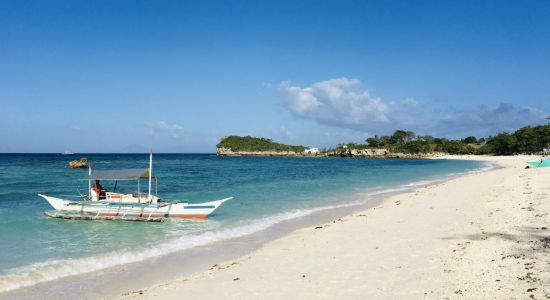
pixel 113 209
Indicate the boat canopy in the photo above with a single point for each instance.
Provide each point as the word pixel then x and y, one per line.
pixel 123 174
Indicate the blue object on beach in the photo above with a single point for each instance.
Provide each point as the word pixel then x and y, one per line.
pixel 540 163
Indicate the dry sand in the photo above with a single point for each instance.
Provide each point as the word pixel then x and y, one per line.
pixel 480 236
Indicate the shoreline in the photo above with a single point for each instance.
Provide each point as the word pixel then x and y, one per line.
pixel 350 153
pixel 412 245
pixel 195 259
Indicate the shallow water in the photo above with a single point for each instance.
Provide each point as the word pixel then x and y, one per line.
pixel 267 191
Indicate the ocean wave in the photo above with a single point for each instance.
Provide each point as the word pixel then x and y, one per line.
pixel 56 269
pixel 485 166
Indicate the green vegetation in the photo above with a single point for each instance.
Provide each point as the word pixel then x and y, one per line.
pixel 402 141
pixel 254 144
pixel 529 139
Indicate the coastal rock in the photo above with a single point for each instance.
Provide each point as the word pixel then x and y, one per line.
pixel 79 164
pixel 228 152
pixel 368 153
pixel 376 153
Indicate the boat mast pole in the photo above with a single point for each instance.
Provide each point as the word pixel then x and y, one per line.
pixel 89 180
pixel 150 170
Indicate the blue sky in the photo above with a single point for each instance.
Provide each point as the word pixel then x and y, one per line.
pixel 124 76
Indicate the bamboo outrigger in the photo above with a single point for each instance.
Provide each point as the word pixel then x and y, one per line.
pixel 100 204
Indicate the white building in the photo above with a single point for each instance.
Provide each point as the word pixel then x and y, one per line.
pixel 312 151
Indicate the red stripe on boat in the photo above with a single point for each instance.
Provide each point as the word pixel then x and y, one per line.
pixel 154 216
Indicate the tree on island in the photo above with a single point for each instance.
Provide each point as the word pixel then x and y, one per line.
pixel 470 140
pixel 402 136
pixel 398 137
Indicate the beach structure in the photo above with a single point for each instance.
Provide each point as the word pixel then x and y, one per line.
pixel 110 205
pixel 311 151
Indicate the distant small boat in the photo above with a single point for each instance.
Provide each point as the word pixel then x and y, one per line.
pixel 67 153
pixel 540 163
pixel 100 204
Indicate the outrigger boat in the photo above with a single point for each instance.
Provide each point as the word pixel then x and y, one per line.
pixel 104 205
pixel 543 162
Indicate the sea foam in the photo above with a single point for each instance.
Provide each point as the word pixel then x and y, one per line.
pixel 56 269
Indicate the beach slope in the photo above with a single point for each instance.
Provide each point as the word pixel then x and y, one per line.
pixel 480 236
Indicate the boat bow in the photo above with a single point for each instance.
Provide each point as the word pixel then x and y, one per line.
pixel 57 203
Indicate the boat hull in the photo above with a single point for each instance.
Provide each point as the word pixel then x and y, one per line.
pixel 540 163
pixel 145 215
pixel 113 209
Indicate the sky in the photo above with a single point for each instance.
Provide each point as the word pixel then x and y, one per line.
pixel 176 76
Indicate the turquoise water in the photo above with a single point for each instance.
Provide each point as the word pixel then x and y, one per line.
pixel 35 248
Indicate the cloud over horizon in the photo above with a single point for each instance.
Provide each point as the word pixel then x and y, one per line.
pixel 341 102
pixel 489 120
pixel 164 128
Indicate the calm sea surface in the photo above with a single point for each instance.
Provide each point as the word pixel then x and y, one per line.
pixel 34 248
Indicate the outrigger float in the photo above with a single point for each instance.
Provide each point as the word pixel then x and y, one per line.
pixel 100 204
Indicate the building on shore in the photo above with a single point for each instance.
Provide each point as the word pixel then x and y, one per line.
pixel 312 151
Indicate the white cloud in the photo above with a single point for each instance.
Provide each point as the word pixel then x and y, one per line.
pixel 281 133
pixel 485 120
pixel 74 127
pixel 340 102
pixel 164 128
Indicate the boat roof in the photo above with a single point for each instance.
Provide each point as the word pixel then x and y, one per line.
pixel 122 174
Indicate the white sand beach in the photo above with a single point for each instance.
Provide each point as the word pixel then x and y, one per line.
pixel 480 236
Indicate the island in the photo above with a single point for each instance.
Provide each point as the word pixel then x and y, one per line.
pixel 401 144
pixel 256 146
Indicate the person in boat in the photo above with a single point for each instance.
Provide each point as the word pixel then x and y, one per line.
pixel 99 190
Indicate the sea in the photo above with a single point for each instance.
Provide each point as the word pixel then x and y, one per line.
pixel 267 191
